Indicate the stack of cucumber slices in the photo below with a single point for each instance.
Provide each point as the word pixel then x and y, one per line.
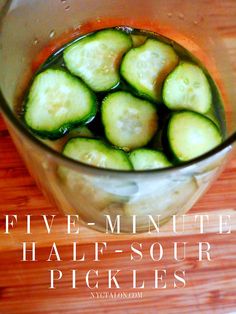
pixel 151 105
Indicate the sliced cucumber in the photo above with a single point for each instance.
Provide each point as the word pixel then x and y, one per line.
pixel 96 58
pixel 60 143
pixel 96 153
pixel 129 122
pixel 146 67
pixel 191 134
pixel 143 159
pixel 57 102
pixel 187 88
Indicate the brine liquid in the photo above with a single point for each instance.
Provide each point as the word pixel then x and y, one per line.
pixel 92 197
pixel 139 37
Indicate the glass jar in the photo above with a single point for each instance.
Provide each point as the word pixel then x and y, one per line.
pixel 97 195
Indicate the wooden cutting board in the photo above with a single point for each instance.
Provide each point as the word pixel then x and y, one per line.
pixel 24 286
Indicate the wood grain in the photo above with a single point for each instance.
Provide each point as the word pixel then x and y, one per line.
pixel 24 286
